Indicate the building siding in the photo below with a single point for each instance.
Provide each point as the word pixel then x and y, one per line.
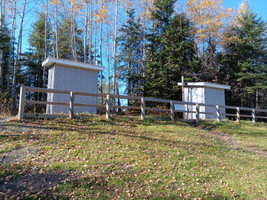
pixel 61 77
pixel 194 94
pixel 214 97
pixel 205 96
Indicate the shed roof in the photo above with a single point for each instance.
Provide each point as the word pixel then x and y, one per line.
pixel 206 85
pixel 49 62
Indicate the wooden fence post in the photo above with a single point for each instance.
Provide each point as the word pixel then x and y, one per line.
pixel 108 107
pixel 143 108
pixel 21 102
pixel 197 113
pixel 238 114
pixel 71 113
pixel 254 115
pixel 172 110
pixel 218 114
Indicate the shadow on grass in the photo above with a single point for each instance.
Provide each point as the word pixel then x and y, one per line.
pixel 32 185
pixel 83 124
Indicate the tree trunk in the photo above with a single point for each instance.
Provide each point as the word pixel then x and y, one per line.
pixel 85 34
pixel 90 35
pixel 46 16
pixel 115 50
pixel 72 32
pixel 18 51
pixel 46 51
pixel 1 72
pixel 1 51
pixel 1 13
pixel 100 53
pixel 118 93
pixel 101 64
pixel 11 45
pixel 95 34
pixel 56 30
pixel 74 37
pixel 257 99
pixel 108 69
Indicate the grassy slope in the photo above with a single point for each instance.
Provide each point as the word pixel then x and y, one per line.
pixel 127 158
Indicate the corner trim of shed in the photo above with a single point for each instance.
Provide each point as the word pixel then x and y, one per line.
pixel 49 62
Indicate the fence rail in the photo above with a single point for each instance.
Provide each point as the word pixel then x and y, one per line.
pixel 217 113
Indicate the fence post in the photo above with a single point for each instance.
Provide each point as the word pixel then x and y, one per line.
pixel 254 115
pixel 172 110
pixel 143 108
pixel 21 102
pixel 238 114
pixel 108 107
pixel 218 113
pixel 71 113
pixel 197 113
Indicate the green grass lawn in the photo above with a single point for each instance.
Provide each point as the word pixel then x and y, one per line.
pixel 250 135
pixel 130 159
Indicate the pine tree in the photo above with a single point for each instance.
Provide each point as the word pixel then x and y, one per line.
pixel 4 48
pixel 171 52
pixel 244 63
pixel 65 41
pixel 130 43
pixel 33 59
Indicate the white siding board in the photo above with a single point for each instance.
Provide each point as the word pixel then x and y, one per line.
pixel 214 97
pixel 194 94
pixel 50 96
pixel 67 78
pixel 205 93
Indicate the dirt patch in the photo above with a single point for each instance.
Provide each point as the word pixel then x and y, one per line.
pixel 18 154
pixel 31 182
pixel 232 142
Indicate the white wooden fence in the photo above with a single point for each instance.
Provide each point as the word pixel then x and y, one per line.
pixel 142 106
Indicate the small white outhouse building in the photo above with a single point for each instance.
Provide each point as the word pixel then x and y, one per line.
pixel 74 76
pixel 205 93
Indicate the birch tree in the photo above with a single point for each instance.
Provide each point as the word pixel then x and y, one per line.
pixel 1 51
pixel 90 33
pixel 115 47
pixel 18 50
pixel 101 18
pixel 46 45
pixel 86 2
pixel 56 4
pixel 95 28
pixel 46 25
pixel 210 21
pixel 12 35
pixel 73 8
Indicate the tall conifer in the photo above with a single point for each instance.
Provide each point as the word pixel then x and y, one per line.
pixel 170 52
pixel 244 63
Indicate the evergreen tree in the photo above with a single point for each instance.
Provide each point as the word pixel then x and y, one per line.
pixel 244 64
pixel 130 44
pixel 4 48
pixel 64 41
pixel 33 59
pixel 171 52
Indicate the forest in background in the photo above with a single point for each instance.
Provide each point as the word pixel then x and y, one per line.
pixel 145 46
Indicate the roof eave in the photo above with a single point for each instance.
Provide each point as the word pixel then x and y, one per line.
pixel 49 62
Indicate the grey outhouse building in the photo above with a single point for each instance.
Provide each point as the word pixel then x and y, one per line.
pixel 206 93
pixel 75 76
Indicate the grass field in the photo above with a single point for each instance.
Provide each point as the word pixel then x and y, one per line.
pixel 130 159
